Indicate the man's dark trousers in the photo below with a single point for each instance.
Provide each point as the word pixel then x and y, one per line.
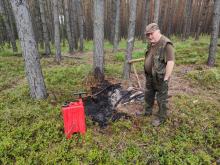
pixel 155 85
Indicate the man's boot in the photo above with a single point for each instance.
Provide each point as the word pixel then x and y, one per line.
pixel 157 122
pixel 148 112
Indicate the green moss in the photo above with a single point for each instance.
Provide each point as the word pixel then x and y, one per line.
pixel 138 54
pixel 31 131
pixel 120 56
pixel 88 45
pixel 114 70
pixel 208 78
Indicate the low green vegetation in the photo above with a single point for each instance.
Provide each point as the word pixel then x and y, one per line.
pixel 193 52
pixel 120 56
pixel 31 132
pixel 209 77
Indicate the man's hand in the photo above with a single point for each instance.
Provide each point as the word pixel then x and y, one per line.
pixel 169 69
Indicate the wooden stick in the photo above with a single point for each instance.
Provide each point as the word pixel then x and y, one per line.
pixel 136 60
pixel 135 72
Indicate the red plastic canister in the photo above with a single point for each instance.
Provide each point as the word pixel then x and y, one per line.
pixel 74 118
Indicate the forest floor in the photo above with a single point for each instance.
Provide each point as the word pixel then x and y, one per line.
pixel 31 131
pixel 179 83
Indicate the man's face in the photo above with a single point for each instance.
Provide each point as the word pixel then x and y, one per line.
pixel 153 37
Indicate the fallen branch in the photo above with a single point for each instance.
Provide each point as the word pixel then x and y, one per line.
pixel 71 56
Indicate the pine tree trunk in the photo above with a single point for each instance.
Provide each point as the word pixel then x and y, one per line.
pixel 131 35
pixel 39 28
pixel 202 18
pixel 29 49
pixel 187 20
pixel 68 30
pixel 197 5
pixel 208 18
pixel 87 19
pixel 162 16
pixel 63 35
pixel 113 20
pixel 36 20
pixel 188 31
pixel 156 10
pixel 145 18
pixel 117 26
pixel 214 34
pixel 123 21
pixel 81 24
pixel 11 22
pixel 74 23
pixel 98 32
pixel 3 35
pixel 45 30
pixel 50 20
pixel 178 16
pixel 56 31
pixel 9 29
pixel 170 16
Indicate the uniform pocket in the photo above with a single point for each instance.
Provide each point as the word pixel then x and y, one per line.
pixel 160 77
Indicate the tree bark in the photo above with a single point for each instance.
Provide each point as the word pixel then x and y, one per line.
pixel 29 49
pixel 112 12
pixel 208 18
pixel 197 5
pixel 145 18
pixel 117 26
pixel 2 34
pixel 56 31
pixel 156 10
pixel 87 19
pixel 74 23
pixel 81 24
pixel 63 35
pixel 68 30
pixel 131 35
pixel 9 29
pixel 214 34
pixel 98 27
pixel 123 22
pixel 171 8
pixel 11 22
pixel 45 30
pixel 162 16
pixel 34 9
pixel 202 18
pixel 50 21
pixel 187 20
pixel 179 12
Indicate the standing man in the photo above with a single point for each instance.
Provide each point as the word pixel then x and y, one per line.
pixel 158 66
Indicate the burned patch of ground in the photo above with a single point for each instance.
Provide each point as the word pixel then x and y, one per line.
pixel 107 101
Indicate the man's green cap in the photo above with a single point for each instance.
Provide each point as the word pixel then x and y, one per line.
pixel 151 28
